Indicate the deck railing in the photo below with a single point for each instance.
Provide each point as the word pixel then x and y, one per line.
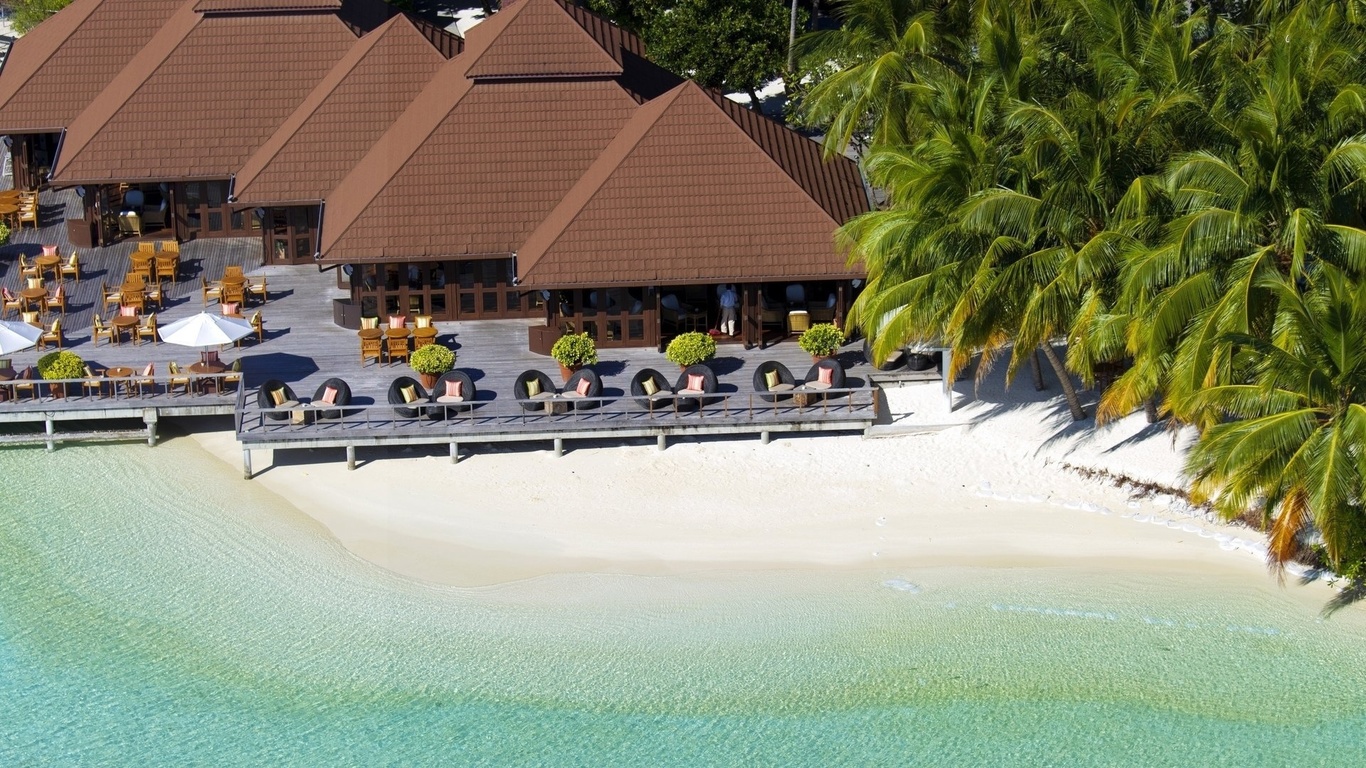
pixel 21 393
pixel 606 413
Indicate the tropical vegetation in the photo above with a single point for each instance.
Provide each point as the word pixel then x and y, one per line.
pixel 1164 195
pixel 690 348
pixel 61 365
pixel 574 350
pixel 821 339
pixel 432 359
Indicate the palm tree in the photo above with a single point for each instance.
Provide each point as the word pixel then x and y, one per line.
pixel 1294 438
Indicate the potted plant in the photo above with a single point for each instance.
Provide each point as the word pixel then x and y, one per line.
pixel 573 351
pixel 821 340
pixel 690 349
pixel 60 365
pixel 430 362
pixel 4 234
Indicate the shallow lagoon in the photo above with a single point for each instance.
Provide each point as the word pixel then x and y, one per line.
pixel 153 607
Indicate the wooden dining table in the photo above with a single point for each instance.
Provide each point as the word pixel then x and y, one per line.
pixel 51 263
pixel 123 323
pixel 8 211
pixel 31 295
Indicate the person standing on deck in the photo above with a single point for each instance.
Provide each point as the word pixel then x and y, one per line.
pixel 729 302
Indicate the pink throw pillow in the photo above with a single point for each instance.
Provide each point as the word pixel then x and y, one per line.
pixel 127 311
pixel 825 376
pixel 583 386
pixel 398 321
pixel 330 396
pixel 49 250
pixel 148 370
pixel 455 388
pixel 696 381
pixel 229 308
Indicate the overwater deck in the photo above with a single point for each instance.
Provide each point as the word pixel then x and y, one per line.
pixel 303 347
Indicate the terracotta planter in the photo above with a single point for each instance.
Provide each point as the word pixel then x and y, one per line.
pixel 819 358
pixel 428 380
pixel 568 370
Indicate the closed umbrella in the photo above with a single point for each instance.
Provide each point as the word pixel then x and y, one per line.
pixel 205 330
pixel 16 336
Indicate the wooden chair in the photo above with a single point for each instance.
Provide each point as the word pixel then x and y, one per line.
pixel 214 291
pixel 258 289
pixel 146 382
pixel 25 381
pixel 51 336
pixel 94 380
pixel 27 270
pixel 149 249
pixel 28 213
pixel 148 329
pixel 233 293
pixel 57 300
pixel 179 378
pixel 234 374
pixel 233 273
pixel 169 246
pixel 12 303
pixel 258 325
pixel 142 267
pixel 168 265
pixel 154 294
pixel 72 268
pixel 30 317
pixel 395 346
pixel 109 297
pixel 372 348
pixel 137 299
pixel 99 329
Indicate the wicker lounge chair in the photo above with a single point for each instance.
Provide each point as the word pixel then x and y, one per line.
pixel 341 398
pixel 451 402
pixel 408 409
pixel 682 388
pixel 264 399
pixel 662 396
pixel 781 389
pixel 592 395
pixel 521 391
pixel 892 361
pixel 812 384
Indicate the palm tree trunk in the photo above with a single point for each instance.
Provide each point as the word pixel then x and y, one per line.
pixel 792 40
pixel 1150 409
pixel 1039 384
pixel 1069 391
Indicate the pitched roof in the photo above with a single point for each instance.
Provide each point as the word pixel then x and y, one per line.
pixel 248 6
pixel 682 194
pixel 203 94
pixel 340 120
pixel 56 69
pixel 541 39
pixel 489 171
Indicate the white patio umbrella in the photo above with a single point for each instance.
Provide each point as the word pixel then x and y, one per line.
pixel 16 336
pixel 205 330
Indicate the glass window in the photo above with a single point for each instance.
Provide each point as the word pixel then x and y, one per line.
pixel 302 249
pixel 215 221
pixel 438 305
pixel 490 301
pixel 466 274
pixel 216 192
pixel 635 329
pixel 238 220
pixel 467 304
pixel 613 330
pixel 193 194
pixel 281 249
pixel 513 301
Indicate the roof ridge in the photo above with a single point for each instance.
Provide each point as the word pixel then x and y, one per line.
pixel 617 151
pixel 315 99
pixel 610 59
pixel 142 66
pixel 374 171
pixel 73 16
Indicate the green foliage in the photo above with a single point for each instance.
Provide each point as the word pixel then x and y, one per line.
pixel 27 14
pixel 627 14
pixel 433 360
pixel 61 365
pixel 691 348
pixel 730 45
pixel 575 349
pixel 821 339
pixel 4 234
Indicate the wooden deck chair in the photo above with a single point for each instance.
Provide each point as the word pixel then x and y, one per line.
pixel 53 335
pixel 28 213
pixel 147 381
pixel 72 268
pixel 111 298
pixel 148 329
pixel 214 291
pixel 154 294
pixel 27 269
pixel 234 374
pixel 179 378
pixel 396 347
pixel 99 329
pixel 57 300
pixel 258 289
pixel 146 248
pixel 25 381
pixel 168 264
pixel 12 303
pixel 371 348
pixel 94 381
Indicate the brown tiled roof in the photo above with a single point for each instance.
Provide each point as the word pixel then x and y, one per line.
pixel 492 168
pixel 340 120
pixel 684 194
pixel 55 70
pixel 203 94
pixel 265 6
pixel 542 39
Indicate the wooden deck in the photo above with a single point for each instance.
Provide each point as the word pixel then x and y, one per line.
pixel 303 347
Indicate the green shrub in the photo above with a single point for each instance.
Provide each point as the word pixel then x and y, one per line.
pixel 821 339
pixel 575 349
pixel 61 365
pixel 691 348
pixel 432 360
pixel 4 234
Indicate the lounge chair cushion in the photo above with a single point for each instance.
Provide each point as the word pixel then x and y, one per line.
pixel 329 396
pixel 542 396
pixel 277 396
pixel 148 370
pixel 825 376
pixel 818 384
pixel 687 391
pixel 696 382
pixel 583 387
pixel 455 388
pixel 409 393
pixel 571 395
pixel 450 399
pixel 780 387
pixel 533 387
pixel 771 379
pixel 288 404
pixel 649 386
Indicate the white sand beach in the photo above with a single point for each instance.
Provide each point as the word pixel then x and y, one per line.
pixel 993 490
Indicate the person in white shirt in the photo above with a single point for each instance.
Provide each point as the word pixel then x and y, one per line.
pixel 729 302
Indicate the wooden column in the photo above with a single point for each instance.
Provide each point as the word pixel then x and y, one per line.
pixel 841 299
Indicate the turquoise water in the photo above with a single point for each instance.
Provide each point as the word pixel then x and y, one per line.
pixel 156 609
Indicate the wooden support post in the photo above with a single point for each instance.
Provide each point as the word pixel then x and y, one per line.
pixel 246 463
pixel 765 437
pixel 455 451
pixel 50 430
pixel 559 447
pixel 661 442
pixel 350 457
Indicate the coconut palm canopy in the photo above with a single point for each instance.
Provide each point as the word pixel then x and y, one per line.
pixel 1158 185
